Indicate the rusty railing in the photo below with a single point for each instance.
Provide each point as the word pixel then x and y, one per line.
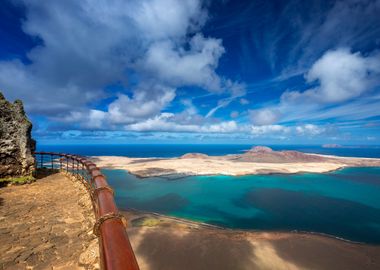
pixel 114 246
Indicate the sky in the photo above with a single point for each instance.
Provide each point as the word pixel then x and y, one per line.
pixel 193 71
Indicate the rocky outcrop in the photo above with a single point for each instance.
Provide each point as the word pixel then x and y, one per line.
pixel 16 143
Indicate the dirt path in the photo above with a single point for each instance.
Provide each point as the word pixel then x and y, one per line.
pixel 47 225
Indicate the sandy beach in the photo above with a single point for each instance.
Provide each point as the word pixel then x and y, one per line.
pixel 259 160
pixel 156 238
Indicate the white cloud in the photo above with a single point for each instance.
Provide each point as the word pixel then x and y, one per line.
pixel 179 67
pixel 92 119
pixel 269 129
pixel 165 123
pixel 341 76
pixel 310 129
pixel 147 101
pixel 318 28
pixel 190 109
pixel 289 131
pixel 161 19
pixel 222 127
pixel 346 85
pixel 264 116
pixel 89 45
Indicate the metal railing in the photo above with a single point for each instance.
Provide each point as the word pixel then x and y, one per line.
pixel 114 246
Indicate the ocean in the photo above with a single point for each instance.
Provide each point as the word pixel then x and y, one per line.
pixel 344 204
pixel 175 150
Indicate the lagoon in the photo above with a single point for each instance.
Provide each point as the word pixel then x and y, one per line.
pixel 344 204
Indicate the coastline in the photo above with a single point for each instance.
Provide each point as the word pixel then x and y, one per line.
pixel 228 165
pixel 156 237
pixel 133 214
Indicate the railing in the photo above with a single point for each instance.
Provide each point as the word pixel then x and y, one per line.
pixel 115 249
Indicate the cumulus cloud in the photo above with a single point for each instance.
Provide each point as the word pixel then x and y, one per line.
pixel 344 84
pixel 147 101
pixel 162 19
pixel 90 45
pixel 195 66
pixel 91 119
pixel 168 122
pixel 310 130
pixel 341 75
pixel 165 122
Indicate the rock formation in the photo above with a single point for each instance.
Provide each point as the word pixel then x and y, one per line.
pixel 267 155
pixel 16 143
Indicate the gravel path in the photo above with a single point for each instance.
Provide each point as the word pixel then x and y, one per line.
pixel 47 225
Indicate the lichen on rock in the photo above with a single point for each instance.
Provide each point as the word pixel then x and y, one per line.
pixel 16 143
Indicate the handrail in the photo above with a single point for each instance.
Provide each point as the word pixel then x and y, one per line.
pixel 115 249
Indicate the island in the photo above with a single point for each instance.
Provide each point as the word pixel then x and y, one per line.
pixel 258 160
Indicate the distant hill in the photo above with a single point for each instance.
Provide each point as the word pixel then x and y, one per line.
pixel 268 155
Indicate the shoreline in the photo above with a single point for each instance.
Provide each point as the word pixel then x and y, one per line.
pixel 155 238
pixel 168 177
pixel 141 213
pixel 232 165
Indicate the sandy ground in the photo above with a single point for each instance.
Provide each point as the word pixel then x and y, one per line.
pixel 258 160
pixel 161 242
pixel 47 225
pixel 148 167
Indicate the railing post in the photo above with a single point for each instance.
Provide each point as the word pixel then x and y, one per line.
pixel 52 160
pixel 42 160
pixel 67 164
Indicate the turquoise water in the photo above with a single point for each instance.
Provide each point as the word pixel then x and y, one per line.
pixel 345 203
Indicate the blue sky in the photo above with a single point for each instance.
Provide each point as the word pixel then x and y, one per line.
pixel 192 71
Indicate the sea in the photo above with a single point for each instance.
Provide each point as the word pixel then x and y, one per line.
pixel 344 204
pixel 175 150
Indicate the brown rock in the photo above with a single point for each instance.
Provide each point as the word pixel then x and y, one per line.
pixel 91 255
pixel 16 143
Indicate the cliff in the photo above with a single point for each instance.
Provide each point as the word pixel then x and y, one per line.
pixel 16 143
